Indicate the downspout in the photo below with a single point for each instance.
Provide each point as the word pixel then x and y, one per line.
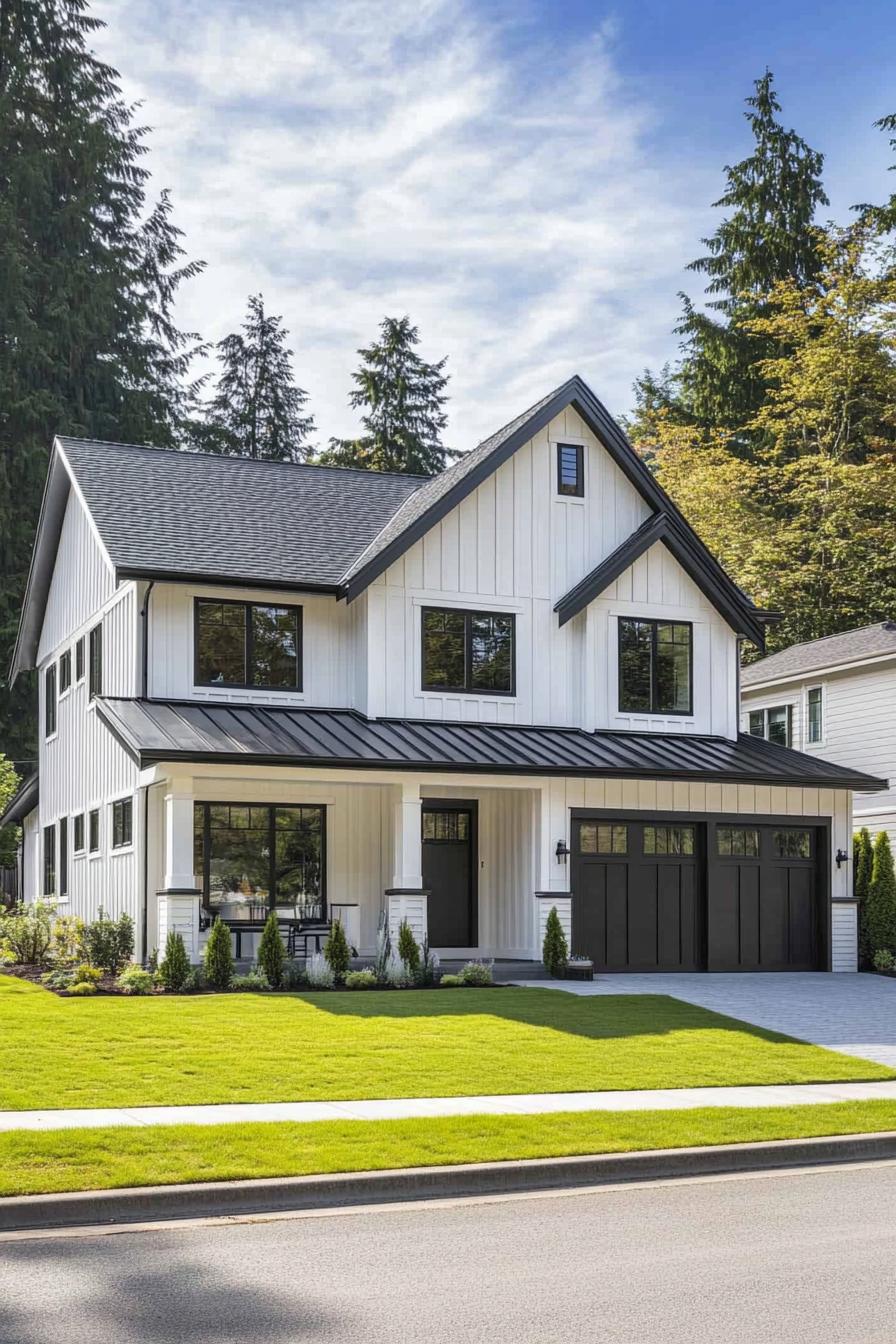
pixel 144 617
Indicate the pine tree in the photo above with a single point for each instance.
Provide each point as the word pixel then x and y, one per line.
pixel 174 969
pixel 862 864
pixel 403 398
pixel 881 902
pixel 218 956
pixel 555 949
pixel 271 953
pixel 766 236
pixel 258 410
pixel 337 952
pixel 88 276
pixel 408 947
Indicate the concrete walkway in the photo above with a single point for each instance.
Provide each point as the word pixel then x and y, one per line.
pixel 855 1014
pixel 665 1099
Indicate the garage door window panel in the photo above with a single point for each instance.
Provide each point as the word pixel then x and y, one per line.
pixel 792 844
pixel 668 840
pixel 738 842
pixel 603 838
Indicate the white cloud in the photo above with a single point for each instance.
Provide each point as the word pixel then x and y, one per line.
pixel 364 157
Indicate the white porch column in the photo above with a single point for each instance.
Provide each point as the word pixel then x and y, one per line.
pixel 550 826
pixel 180 897
pixel 406 898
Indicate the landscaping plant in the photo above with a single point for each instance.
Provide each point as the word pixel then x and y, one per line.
pixel 271 952
pixel 67 947
pixel 450 982
pixel 110 942
pixel 134 980
pixel 880 919
pixel 555 949
pixel 27 933
pixel 218 956
pixel 174 968
pixel 83 989
pixel 383 949
pixel 477 973
pixel 427 972
pixel 396 974
pixel 337 952
pixel 319 972
pixel 863 858
pixel 408 949
pixel 253 982
pixel 365 979
pixel 883 961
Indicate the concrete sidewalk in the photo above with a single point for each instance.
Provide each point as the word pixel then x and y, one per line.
pixel 303 1112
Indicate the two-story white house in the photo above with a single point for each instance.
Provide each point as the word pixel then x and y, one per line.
pixel 460 700
pixel 833 697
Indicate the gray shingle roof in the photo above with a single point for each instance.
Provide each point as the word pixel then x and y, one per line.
pixel 157 730
pixel 198 514
pixel 833 650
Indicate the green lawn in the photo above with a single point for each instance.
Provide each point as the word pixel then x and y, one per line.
pixel 141 1051
pixel 103 1159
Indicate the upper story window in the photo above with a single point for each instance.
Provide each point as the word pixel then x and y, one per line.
pixel 79 659
pixel 468 651
pixel 815 714
pixel 65 671
pixel 50 700
pixel 570 469
pixel 655 667
pixel 95 662
pixel 774 724
pixel 248 645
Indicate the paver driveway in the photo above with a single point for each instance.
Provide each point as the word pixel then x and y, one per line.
pixel 852 1013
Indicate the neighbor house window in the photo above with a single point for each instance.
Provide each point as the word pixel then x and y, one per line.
pixel 253 859
pixel 93 830
pixel 63 856
pixel 79 659
pixel 816 723
pixel 122 822
pixel 65 671
pixel 655 660
pixel 248 644
pixel 570 469
pixel 50 701
pixel 95 669
pixel 49 860
pixel 78 833
pixel 468 651
pixel 774 724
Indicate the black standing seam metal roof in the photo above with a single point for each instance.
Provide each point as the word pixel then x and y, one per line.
pixel 189 730
pixel 23 801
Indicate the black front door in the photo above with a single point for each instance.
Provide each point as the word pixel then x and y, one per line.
pixel 449 873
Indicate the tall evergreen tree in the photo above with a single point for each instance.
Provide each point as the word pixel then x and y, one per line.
pixel 403 398
pixel 257 410
pixel 87 282
pixel 770 200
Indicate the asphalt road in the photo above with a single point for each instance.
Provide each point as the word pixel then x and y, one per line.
pixel 801 1257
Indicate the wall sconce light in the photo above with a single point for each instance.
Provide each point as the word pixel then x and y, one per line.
pixel 562 851
pixel 840 857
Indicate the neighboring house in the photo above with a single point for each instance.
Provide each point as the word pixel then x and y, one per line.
pixel 460 701
pixel 836 698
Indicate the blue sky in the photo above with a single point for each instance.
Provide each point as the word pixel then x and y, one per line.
pixel 526 179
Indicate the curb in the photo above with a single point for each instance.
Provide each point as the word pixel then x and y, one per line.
pixel 296 1193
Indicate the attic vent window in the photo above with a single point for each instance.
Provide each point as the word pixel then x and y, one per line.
pixel 570 469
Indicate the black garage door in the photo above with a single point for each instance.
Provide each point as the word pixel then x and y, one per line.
pixel 674 895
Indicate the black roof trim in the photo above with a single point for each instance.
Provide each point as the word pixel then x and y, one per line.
pixel 652 530
pixel 212 580
pixel 23 801
pixel 154 731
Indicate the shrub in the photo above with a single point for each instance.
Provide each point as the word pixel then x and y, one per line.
pixel 83 989
pixel 134 980
pixel 884 960
pixel 252 982
pixel 174 969
pixel 408 949
pixel 294 976
pixel 365 979
pixel 110 942
pixel 271 952
pixel 61 977
pixel 218 956
pixel 863 856
pixel 319 972
pixel 555 949
pixel 195 981
pixel 86 974
pixel 476 973
pixel 450 982
pixel 67 947
pixel 27 932
pixel 337 952
pixel 880 905
pixel 427 972
pixel 396 974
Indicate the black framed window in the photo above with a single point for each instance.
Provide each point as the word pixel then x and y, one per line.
pixel 65 671
pixel 655 667
pixel 255 858
pixel 472 652
pixel 63 856
pixel 570 469
pixel 95 662
pixel 816 725
pixel 122 822
pixel 79 659
pixel 248 645
pixel 93 830
pixel 78 833
pixel 775 724
pixel 50 701
pixel 49 860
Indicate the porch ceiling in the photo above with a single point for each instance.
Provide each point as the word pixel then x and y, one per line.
pixel 166 730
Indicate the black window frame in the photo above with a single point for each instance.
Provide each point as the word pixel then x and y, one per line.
pixel 78 834
pixel 65 671
pixel 49 856
pixel 79 659
pixel 819 720
pixel 95 661
pixel 272 809
pixel 93 829
pixel 577 491
pixel 654 623
pixel 123 822
pixel 63 857
pixel 248 659
pixel 50 701
pixel 469 615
